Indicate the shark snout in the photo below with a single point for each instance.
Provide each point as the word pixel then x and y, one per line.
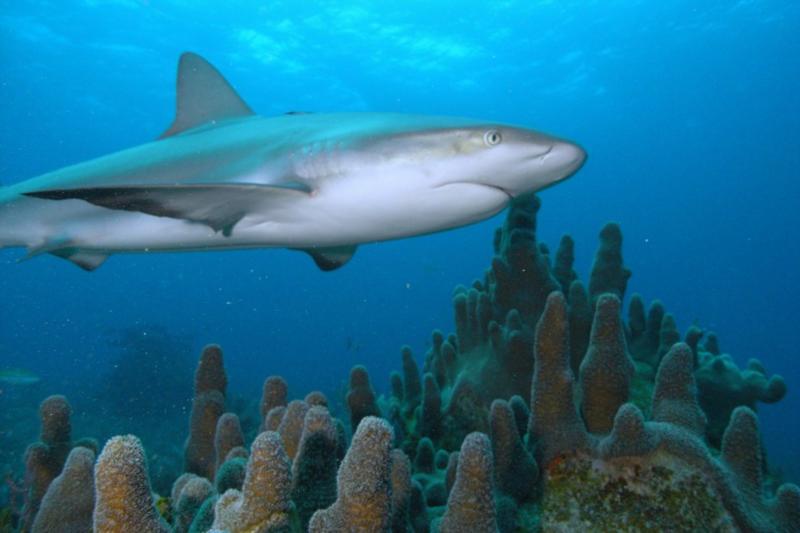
pixel 542 163
pixel 566 159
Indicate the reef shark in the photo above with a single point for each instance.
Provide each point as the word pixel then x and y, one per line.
pixel 221 177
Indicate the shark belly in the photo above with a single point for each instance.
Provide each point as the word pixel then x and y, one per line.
pixel 336 216
pixel 355 212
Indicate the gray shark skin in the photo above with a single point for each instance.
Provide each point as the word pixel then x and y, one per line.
pixel 222 177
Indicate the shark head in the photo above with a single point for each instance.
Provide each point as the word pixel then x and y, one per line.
pixel 509 159
pixel 519 161
pixel 513 160
pixel 411 175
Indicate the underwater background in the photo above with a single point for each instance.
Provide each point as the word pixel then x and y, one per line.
pixel 690 113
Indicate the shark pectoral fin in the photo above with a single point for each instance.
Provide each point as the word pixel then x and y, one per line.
pixel 328 259
pixel 219 207
pixel 203 96
pixel 85 259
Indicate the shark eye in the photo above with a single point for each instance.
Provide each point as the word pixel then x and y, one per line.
pixel 492 138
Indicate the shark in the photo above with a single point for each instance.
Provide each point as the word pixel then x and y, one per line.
pixel 222 177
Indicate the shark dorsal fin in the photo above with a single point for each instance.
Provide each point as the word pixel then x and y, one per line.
pixel 203 96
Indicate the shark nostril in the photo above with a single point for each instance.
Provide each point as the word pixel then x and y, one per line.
pixel 540 156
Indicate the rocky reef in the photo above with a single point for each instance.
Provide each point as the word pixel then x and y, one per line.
pixel 545 410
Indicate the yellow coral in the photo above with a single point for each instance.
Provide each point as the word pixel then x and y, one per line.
pixel 364 491
pixel 124 502
pixel 263 505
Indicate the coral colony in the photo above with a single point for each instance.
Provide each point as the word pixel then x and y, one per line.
pixel 545 410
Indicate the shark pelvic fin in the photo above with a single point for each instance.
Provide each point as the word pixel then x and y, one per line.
pixel 203 96
pixel 85 259
pixel 328 259
pixel 219 207
pixel 64 248
pixel 45 247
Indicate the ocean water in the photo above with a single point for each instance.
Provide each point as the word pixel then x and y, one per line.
pixel 690 113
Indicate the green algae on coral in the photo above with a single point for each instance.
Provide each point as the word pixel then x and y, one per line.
pixel 641 393
pixel 649 494
pixel 6 520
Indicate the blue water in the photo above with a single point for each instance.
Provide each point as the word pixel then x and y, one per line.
pixel 690 112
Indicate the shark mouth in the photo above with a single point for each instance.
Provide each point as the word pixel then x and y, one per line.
pixel 476 184
pixel 497 188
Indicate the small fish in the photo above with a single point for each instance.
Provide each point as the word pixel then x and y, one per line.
pixel 353 345
pixel 18 376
